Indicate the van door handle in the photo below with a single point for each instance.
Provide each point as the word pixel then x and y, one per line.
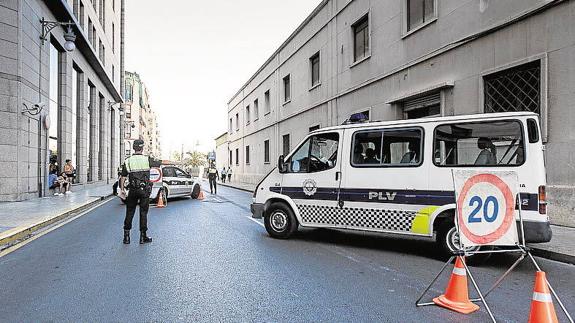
pixel 337 174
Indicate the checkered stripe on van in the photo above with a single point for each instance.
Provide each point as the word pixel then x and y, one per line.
pixel 392 220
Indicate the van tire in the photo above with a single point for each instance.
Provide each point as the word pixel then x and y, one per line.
pixel 279 220
pixel 445 234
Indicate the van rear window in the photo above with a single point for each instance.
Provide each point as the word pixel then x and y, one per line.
pixel 479 144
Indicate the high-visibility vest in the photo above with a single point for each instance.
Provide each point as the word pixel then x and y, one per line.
pixel 137 163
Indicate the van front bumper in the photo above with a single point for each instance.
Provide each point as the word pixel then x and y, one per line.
pixel 257 210
pixel 536 232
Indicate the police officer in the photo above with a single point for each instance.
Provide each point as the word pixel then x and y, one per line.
pixel 212 176
pixel 137 169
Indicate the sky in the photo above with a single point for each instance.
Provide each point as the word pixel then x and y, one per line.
pixel 195 55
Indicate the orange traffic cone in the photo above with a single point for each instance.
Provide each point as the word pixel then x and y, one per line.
pixel 161 200
pixel 201 195
pixel 542 309
pixel 456 297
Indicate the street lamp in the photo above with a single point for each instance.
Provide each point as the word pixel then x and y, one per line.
pixel 69 35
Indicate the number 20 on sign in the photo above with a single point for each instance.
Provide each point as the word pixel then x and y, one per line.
pixel 485 203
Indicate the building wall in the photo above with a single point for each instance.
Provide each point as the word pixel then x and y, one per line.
pixel 222 159
pixel 25 81
pixel 451 55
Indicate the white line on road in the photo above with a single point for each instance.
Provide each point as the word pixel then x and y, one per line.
pixel 256 221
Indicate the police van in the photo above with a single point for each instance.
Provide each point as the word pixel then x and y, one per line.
pixel 396 176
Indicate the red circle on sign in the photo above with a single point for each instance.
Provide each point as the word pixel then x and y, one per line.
pixel 509 208
pixel 159 173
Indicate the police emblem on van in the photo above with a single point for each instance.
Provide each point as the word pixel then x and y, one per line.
pixel 382 196
pixel 309 187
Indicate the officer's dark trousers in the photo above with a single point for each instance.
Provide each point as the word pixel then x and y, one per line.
pixel 137 197
pixel 213 184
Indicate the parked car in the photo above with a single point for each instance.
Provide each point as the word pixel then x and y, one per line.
pixel 173 182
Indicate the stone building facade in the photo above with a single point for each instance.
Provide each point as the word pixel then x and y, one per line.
pixel 401 59
pixel 57 104
pixel 222 151
pixel 140 120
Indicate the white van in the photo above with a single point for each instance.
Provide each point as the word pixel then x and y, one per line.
pixel 395 176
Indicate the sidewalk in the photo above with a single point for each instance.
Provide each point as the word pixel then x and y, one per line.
pixel 19 219
pixel 560 248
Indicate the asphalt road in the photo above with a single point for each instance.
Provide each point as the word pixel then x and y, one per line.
pixel 210 262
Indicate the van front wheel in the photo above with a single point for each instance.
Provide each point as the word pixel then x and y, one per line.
pixel 280 222
pixel 448 241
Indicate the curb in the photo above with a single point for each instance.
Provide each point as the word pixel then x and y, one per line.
pixel 26 233
pixel 237 188
pixel 552 255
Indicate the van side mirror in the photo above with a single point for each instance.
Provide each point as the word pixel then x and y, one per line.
pixel 282 165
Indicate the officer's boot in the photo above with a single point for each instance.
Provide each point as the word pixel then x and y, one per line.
pixel 126 236
pixel 144 238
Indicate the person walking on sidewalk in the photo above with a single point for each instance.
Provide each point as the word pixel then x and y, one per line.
pixel 229 173
pixel 223 174
pixel 137 169
pixel 212 177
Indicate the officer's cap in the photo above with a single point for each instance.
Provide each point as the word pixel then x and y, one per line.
pixel 138 144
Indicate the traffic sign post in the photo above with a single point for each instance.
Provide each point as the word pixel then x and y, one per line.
pixel 487 213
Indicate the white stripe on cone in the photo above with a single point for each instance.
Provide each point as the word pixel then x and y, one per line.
pixel 459 271
pixel 542 297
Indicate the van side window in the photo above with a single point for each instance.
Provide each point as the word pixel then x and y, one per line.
pixel 533 131
pixel 318 153
pixel 492 143
pixel 400 147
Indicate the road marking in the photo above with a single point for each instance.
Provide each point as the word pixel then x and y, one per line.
pixel 256 221
pixel 50 229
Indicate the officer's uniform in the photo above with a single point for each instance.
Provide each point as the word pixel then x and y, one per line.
pixel 137 169
pixel 213 176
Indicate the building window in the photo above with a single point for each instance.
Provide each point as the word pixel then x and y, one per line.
pixel 237 156
pixel 129 92
pixel 256 109
pixel 101 137
pixel 82 14
pixel 286 146
pixel 267 152
pixel 94 37
pixel 515 89
pixel 103 13
pixel 237 121
pixel 248 117
pixel 91 32
pixel 423 107
pixel 231 128
pixel 102 53
pixel 287 89
pixel 55 116
pixel 419 12
pixel 315 70
pixel 230 160
pixel 76 8
pixel 314 128
pixel 113 73
pixel 247 155
pixel 361 39
pixel 113 38
pixel 113 5
pixel 267 102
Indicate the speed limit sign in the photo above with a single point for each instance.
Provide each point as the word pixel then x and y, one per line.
pixel 485 203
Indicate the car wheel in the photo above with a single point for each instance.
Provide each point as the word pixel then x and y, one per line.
pixel 196 192
pixel 448 241
pixel 279 220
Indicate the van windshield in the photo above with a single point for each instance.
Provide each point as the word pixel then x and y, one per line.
pixel 493 143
